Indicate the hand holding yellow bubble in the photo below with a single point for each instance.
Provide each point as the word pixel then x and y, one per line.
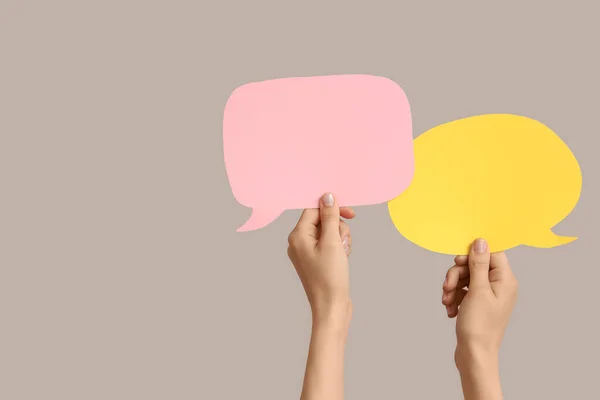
pixel 506 178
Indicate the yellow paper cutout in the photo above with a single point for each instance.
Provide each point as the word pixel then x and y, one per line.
pixel 506 178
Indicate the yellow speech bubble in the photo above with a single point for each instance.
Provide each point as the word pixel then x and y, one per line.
pixel 506 178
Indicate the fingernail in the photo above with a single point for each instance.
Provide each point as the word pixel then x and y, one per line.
pixel 328 200
pixel 445 282
pixel 448 310
pixel 345 243
pixel 480 246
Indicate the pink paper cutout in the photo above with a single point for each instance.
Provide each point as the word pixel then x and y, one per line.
pixel 289 141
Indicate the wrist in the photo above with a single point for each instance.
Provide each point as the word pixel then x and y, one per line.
pixel 476 356
pixel 332 315
pixel 479 373
pixel 470 358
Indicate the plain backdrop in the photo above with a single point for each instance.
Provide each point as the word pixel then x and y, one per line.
pixel 121 274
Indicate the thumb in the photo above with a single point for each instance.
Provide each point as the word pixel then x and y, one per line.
pixel 479 265
pixel 330 218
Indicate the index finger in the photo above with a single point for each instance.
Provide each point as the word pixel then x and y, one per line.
pixel 347 212
pixel 461 260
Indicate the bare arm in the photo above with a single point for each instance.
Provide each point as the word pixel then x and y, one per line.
pixel 319 247
pixel 479 375
pixel 324 377
pixel 481 291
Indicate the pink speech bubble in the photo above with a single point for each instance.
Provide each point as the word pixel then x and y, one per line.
pixel 288 141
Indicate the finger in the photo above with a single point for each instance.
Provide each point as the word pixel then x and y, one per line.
pixel 448 297
pixel 461 260
pixel 344 229
pixel 453 275
pixel 452 310
pixel 346 245
pixel 330 219
pixel 347 212
pixel 345 236
pixel 479 265
pixel 349 250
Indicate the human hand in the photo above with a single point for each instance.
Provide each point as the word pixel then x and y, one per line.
pixel 481 291
pixel 319 247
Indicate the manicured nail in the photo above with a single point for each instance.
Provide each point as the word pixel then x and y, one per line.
pixel 345 243
pixel 480 246
pixel 328 200
pixel 448 310
pixel 445 282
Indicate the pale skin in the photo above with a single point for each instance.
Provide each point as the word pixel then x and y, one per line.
pixel 319 247
pixel 480 290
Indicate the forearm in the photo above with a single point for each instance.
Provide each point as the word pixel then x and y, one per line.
pixel 479 375
pixel 324 377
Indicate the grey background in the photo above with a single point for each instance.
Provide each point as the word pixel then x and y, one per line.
pixel 121 274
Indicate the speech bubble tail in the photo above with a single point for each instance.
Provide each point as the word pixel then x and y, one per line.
pixel 549 239
pixel 259 219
